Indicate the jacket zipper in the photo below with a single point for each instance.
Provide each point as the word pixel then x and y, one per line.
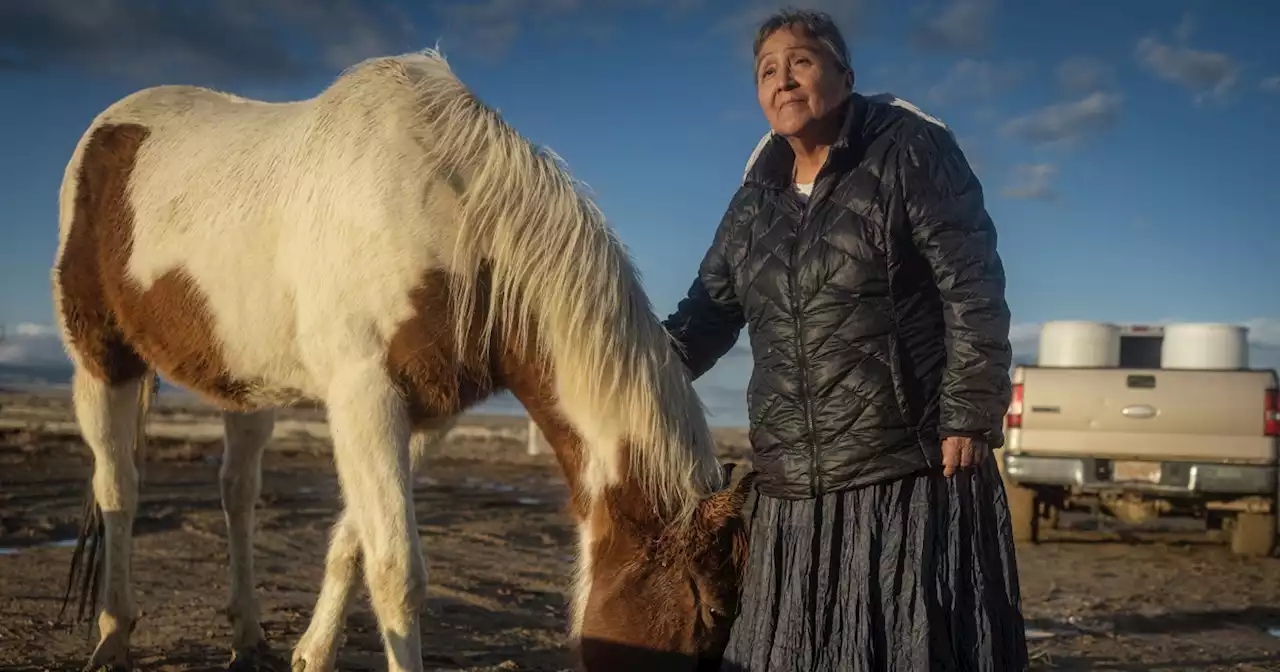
pixel 802 352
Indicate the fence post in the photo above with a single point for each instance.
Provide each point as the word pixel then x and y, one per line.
pixel 537 442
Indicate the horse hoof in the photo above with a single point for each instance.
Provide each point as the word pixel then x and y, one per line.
pixel 257 658
pixel 109 657
pixel 308 659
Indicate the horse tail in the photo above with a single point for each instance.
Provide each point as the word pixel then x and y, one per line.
pixel 90 552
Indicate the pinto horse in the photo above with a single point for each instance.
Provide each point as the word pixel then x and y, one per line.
pixel 392 249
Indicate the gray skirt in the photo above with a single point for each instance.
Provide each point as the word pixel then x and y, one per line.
pixel 917 574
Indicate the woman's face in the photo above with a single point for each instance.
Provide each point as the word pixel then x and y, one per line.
pixel 797 81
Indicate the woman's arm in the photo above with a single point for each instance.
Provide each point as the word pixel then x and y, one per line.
pixel 707 321
pixel 952 230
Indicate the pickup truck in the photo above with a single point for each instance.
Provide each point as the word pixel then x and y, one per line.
pixel 1141 443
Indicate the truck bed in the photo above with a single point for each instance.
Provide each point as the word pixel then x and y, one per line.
pixel 1145 414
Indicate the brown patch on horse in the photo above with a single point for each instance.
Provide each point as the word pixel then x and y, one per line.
pixel 115 326
pixel 422 360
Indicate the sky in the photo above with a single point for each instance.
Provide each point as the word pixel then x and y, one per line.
pixel 1128 151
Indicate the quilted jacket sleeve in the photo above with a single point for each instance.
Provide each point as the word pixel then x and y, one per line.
pixel 952 230
pixel 706 322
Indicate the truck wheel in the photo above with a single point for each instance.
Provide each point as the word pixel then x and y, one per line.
pixel 1024 514
pixel 1254 534
pixel 1051 517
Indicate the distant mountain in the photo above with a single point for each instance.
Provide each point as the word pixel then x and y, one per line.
pixel 35 375
pixel 53 376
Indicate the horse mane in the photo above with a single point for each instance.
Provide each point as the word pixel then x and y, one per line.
pixel 553 260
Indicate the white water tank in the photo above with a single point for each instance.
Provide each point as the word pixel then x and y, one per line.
pixel 1205 346
pixel 1077 343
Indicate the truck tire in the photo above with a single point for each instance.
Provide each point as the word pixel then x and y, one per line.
pixel 1023 514
pixel 1253 534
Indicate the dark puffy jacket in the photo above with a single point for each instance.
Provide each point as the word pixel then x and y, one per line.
pixel 876 314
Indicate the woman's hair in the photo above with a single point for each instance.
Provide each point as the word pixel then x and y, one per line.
pixel 817 25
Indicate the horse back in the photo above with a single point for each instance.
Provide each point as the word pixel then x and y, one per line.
pixel 244 254
pixel 168 246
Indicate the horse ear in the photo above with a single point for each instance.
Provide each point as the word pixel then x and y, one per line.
pixel 742 489
pixel 728 468
pixel 729 502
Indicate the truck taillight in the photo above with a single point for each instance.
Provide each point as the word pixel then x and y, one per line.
pixel 1271 422
pixel 1014 419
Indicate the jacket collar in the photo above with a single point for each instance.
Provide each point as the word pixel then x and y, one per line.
pixel 773 165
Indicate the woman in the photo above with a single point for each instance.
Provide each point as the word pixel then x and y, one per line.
pixel 860 257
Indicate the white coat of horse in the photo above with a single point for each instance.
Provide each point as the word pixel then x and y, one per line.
pixel 392 249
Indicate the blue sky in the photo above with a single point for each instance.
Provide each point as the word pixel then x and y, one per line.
pixel 1128 150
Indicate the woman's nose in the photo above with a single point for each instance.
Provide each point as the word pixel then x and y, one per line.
pixel 786 81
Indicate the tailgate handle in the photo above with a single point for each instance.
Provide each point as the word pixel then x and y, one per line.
pixel 1142 382
pixel 1140 411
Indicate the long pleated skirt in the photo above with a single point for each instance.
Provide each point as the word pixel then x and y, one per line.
pixel 914 575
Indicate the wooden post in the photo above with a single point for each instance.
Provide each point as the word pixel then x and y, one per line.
pixel 537 442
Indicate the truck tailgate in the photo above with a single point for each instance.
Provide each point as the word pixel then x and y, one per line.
pixel 1136 413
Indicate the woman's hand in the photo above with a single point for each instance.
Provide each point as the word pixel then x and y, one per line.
pixel 962 452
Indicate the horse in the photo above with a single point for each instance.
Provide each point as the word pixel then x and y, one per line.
pixel 394 251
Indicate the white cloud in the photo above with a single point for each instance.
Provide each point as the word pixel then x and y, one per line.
pixel 30 329
pixel 265 40
pixel 1082 74
pixel 1185 28
pixel 1024 332
pixel 1208 74
pixel 1064 124
pixel 273 40
pixel 849 15
pixel 974 80
pixel 1270 84
pixel 961 25
pixel 1264 330
pixel 1033 181
pixel 32 344
pixel 488 28
pixel 974 153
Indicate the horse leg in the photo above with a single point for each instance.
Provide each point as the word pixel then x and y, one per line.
pixel 370 429
pixel 317 650
pixel 108 419
pixel 240 479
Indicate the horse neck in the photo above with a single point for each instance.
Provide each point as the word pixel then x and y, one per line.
pixel 552 272
pixel 532 381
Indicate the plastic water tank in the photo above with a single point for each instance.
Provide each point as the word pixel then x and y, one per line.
pixel 1205 346
pixel 1073 343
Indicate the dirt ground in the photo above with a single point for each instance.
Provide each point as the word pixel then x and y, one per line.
pixel 499 549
